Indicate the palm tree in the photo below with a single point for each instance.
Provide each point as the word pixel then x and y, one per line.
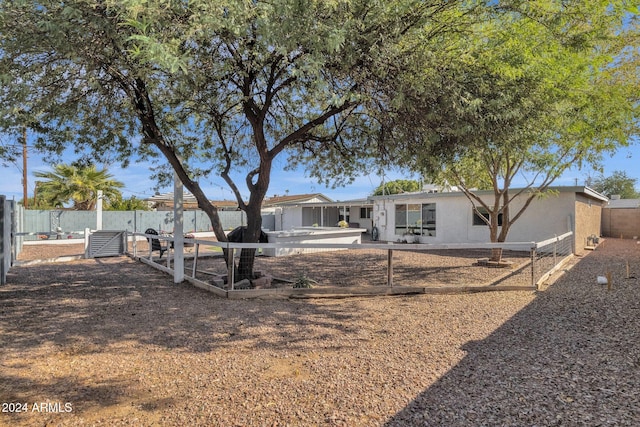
pixel 77 184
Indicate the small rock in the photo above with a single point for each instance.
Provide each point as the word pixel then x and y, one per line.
pixel 263 281
pixel 219 282
pixel 242 284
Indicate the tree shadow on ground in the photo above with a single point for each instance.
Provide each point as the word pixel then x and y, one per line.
pixel 101 302
pixel 54 399
pixel 76 325
pixel 571 357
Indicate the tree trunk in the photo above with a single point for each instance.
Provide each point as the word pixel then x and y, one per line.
pixel 251 235
pixel 253 231
pixel 496 255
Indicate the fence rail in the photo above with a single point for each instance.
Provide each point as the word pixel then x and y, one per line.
pixel 385 265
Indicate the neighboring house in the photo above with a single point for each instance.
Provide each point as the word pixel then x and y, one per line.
pixel 621 218
pixel 270 203
pixel 450 218
pixel 164 202
pixel 358 213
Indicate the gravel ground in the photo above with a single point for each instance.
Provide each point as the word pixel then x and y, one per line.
pixel 113 342
pixel 362 267
pixel 368 267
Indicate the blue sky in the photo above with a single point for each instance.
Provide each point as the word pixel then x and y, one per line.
pixel 138 183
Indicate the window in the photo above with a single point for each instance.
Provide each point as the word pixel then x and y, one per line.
pixel 417 219
pixel 429 219
pixel 342 211
pixel 401 219
pixel 366 212
pixel 477 219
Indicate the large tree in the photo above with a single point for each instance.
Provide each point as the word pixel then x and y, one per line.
pixel 544 92
pixel 397 186
pixel 217 86
pixel 618 183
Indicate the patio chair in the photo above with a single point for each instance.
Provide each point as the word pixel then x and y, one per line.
pixel 156 245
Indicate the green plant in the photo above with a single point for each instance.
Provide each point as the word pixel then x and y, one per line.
pixel 343 224
pixel 304 281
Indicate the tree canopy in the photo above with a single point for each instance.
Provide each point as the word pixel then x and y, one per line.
pixel 618 183
pixel 546 89
pixel 213 87
pixel 216 86
pixel 397 186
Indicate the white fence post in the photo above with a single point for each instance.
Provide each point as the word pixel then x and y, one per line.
pixel 178 230
pixel 390 268
pixel 533 265
pixel 195 260
pixel 230 266
pixel 99 211
pixel 87 233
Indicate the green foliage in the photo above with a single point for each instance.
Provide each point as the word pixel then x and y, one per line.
pixel 76 184
pixel 215 87
pixel 619 183
pixel 117 203
pixel 397 186
pixel 37 203
pixel 541 88
pixel 304 281
pixel 9 152
pixel 211 77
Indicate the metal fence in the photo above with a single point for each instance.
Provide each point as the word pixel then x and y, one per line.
pixel 10 245
pixel 549 255
pixel 63 224
pixel 6 253
pixel 366 268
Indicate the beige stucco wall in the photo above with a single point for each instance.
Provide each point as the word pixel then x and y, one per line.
pixel 588 221
pixel 623 223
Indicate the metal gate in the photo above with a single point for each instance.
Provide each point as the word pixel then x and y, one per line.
pixel 6 236
pixel 5 240
pixel 104 243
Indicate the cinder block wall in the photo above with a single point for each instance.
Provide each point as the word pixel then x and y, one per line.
pixel 623 223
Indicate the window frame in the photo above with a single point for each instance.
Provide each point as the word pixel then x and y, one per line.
pixel 368 212
pixel 425 225
pixel 477 221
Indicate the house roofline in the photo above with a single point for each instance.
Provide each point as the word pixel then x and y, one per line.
pixel 589 192
pixel 355 202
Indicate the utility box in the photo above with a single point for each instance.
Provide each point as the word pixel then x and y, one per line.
pixel 105 243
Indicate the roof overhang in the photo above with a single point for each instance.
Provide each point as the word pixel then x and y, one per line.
pixel 586 191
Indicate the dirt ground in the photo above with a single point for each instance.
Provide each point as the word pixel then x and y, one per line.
pixel 111 341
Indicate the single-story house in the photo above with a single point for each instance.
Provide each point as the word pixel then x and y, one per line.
pixel 358 213
pixel 449 217
pixel 621 218
pixel 270 203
